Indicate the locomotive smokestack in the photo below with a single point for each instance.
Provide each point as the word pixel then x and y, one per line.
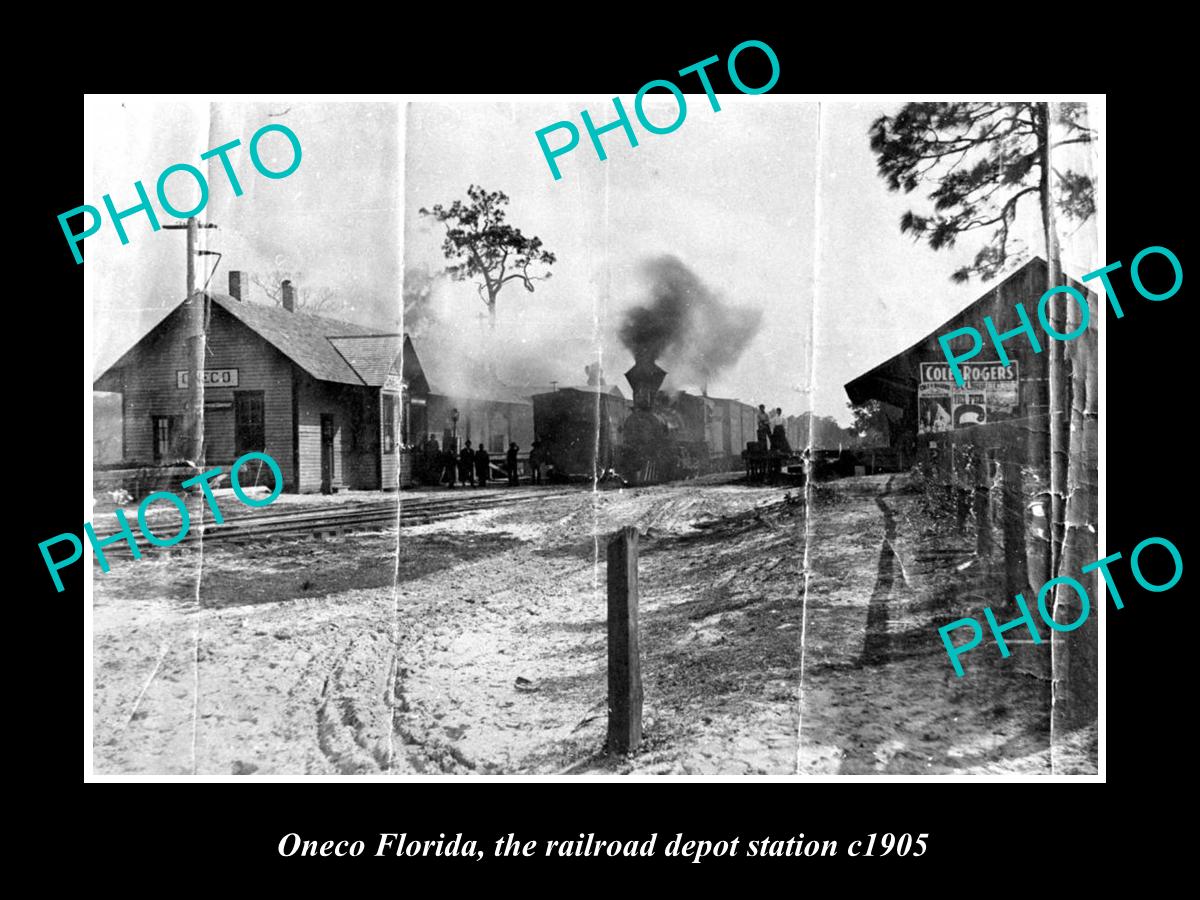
pixel 645 378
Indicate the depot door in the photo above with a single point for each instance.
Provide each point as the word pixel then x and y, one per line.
pixel 326 453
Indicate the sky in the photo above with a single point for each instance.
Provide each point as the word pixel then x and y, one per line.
pixel 335 222
pixel 773 204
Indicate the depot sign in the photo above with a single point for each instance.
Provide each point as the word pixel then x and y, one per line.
pixel 209 378
pixel 932 372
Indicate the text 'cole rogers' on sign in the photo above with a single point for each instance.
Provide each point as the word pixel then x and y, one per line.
pixel 622 120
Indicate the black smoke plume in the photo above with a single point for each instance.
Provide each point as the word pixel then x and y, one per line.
pixel 685 324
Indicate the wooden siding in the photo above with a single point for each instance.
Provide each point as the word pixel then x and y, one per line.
pixel 481 420
pixel 389 463
pixel 732 425
pixel 356 438
pixel 149 389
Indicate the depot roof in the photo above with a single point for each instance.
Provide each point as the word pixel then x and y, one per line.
pixel 327 349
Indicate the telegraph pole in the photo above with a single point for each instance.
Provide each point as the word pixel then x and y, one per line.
pixel 1058 381
pixel 194 334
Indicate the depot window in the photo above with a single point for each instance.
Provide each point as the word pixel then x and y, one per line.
pixel 389 423
pixel 164 432
pixel 249 425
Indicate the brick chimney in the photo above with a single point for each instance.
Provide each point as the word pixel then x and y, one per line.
pixel 235 285
pixel 288 295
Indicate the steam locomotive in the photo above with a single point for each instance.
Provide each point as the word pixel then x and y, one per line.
pixel 587 431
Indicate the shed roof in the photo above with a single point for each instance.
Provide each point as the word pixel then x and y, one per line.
pixel 894 381
pixel 372 356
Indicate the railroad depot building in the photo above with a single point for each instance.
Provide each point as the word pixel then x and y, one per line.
pixel 329 401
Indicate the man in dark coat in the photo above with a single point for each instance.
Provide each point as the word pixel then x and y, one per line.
pixel 466 465
pixel 779 439
pixel 511 459
pixel 535 462
pixel 449 464
pixel 482 464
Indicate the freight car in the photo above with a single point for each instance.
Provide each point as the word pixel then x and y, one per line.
pixel 731 426
pixel 580 428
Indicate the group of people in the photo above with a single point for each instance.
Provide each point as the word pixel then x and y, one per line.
pixel 772 433
pixel 473 467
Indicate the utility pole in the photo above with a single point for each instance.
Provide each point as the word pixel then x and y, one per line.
pixel 194 335
pixel 1058 380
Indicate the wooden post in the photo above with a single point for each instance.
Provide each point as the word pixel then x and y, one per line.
pixel 624 658
pixel 983 505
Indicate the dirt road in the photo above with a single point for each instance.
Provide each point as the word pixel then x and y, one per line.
pixel 477 644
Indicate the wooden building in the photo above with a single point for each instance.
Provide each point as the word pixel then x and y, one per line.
pixel 329 401
pixel 985 445
pixel 997 406
pixel 986 442
pixel 489 412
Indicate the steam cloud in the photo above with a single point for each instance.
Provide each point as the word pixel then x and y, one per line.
pixel 685 324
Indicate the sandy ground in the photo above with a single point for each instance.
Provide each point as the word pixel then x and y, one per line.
pixel 880 695
pixel 476 644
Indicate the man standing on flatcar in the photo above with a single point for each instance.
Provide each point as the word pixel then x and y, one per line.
pixel 466 465
pixel 779 439
pixel 764 427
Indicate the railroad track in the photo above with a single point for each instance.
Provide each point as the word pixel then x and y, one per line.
pixel 328 522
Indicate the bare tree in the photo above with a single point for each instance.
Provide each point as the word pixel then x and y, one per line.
pixel 314 300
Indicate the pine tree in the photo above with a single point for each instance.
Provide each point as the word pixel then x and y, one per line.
pixel 486 247
pixel 982 160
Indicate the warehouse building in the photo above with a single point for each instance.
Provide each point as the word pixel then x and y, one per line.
pixel 467 402
pixel 996 407
pixel 985 446
pixel 330 401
